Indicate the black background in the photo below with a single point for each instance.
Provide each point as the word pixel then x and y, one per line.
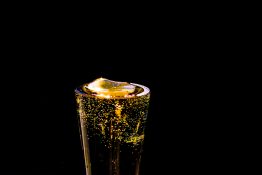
pixel 47 56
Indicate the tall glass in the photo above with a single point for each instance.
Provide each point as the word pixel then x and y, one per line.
pixel 112 131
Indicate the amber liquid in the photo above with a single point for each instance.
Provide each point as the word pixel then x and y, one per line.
pixel 117 159
pixel 112 133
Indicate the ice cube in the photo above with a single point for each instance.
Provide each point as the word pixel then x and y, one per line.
pixel 103 86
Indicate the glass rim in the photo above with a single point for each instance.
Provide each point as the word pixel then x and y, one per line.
pixel 145 92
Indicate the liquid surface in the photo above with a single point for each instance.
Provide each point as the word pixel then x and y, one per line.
pixel 105 88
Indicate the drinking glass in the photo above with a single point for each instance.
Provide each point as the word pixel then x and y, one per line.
pixel 112 131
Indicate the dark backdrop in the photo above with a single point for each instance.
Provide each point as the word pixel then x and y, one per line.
pixel 46 58
pixel 39 131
